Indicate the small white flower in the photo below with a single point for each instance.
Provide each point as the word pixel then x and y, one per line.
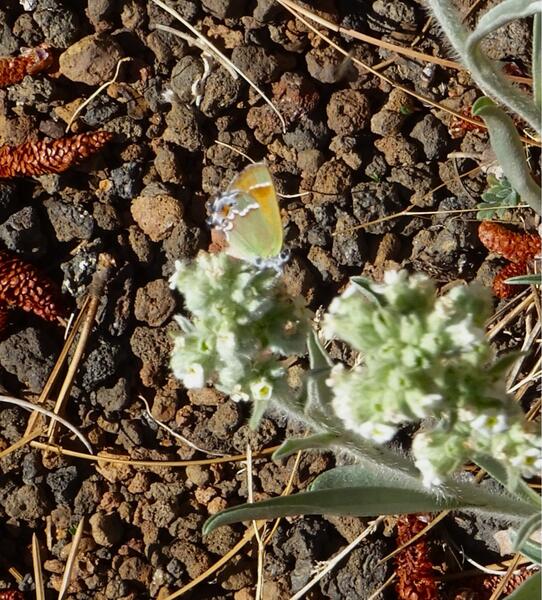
pixel 464 334
pixel 261 389
pixel 194 376
pixel 529 462
pixel 380 433
pixel 488 424
pixel 393 277
pixel 237 394
pixel 335 375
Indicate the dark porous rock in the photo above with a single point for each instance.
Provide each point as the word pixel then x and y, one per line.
pixel 140 244
pixel 308 135
pixel 265 435
pixel 168 163
pixel 69 221
pixel 221 540
pixel 115 398
pixel 28 503
pixel 27 32
pixel 156 211
pixel 349 248
pixel 33 471
pixel 88 497
pixel 8 42
pixel 64 484
pixel 258 64
pixel 225 9
pixel 220 93
pixel 79 270
pixel 101 13
pixel 154 303
pixel 100 364
pixel 325 263
pixel 348 112
pixel 100 110
pixel 184 242
pixel 225 420
pixel 387 122
pixel 106 216
pixel 325 64
pixel 419 180
pixel 264 122
pixel 511 42
pixel 126 128
pixel 126 180
pixel 106 529
pixel 131 434
pixel 12 423
pixel 152 346
pixel 183 75
pixel 397 150
pixel 377 168
pixel 396 13
pixel 8 199
pixel 23 231
pixel 295 95
pixel 135 569
pixel 195 559
pixel 183 128
pixel 433 136
pixel 371 201
pixel 29 354
pixel 91 60
pixel 357 578
pixel 37 92
pixel 333 182
pixel 59 24
pixel 165 46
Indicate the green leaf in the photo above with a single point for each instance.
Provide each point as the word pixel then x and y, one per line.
pixel 531 279
pixel 533 551
pixel 501 14
pixel 363 476
pixel 319 395
pixel 528 590
pixel 319 440
pixel 537 60
pixel 508 148
pixel 360 502
pixel 498 471
pixel 365 286
pixel 527 528
pixel 503 363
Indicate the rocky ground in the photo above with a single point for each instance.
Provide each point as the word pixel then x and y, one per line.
pixel 360 147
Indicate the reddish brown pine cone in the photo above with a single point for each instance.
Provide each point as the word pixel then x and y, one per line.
pixel 505 290
pixel 11 595
pixel 50 156
pixel 23 286
pixel 516 247
pixel 32 60
pixel 413 566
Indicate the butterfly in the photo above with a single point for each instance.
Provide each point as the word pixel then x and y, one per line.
pixel 248 216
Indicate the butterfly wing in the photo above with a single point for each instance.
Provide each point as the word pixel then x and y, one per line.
pixel 258 232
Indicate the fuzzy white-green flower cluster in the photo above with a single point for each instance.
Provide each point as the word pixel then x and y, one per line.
pixel 426 357
pixel 242 322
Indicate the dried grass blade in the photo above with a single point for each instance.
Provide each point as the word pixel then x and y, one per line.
pixel 38 573
pixel 70 562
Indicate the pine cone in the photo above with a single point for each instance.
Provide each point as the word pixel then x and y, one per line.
pixel 413 566
pixel 31 61
pixel 50 156
pixel 11 595
pixel 23 286
pixel 516 247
